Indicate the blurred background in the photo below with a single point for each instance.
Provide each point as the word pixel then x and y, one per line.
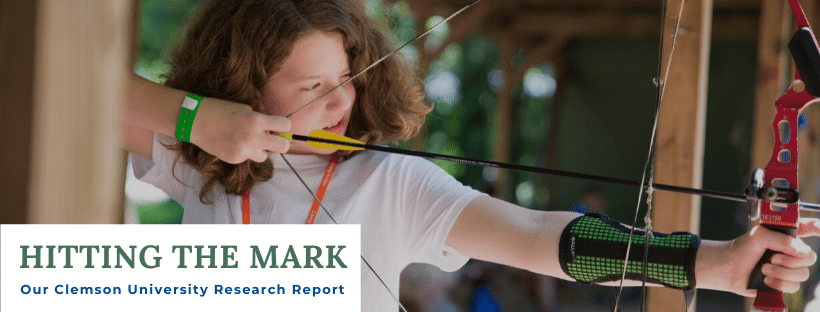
pixel 544 83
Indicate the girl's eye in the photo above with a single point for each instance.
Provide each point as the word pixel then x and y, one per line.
pixel 311 88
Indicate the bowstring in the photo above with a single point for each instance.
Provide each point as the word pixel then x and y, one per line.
pixel 649 164
pixel 334 222
pixel 419 36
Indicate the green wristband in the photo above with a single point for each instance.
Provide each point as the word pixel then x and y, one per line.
pixel 186 116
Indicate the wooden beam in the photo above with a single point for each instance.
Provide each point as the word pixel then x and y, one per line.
pixel 468 23
pixel 587 24
pixel 735 27
pixel 611 4
pixel 81 62
pixel 609 24
pixel 681 128
pixel 545 50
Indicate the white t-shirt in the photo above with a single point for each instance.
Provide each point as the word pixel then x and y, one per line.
pixel 405 205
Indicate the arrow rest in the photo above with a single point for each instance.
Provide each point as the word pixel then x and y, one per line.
pixel 753 205
pixel 756 192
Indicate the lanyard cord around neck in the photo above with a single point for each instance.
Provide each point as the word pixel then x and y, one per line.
pixel 320 194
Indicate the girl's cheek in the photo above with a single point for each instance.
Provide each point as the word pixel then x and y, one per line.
pixel 297 125
pixel 351 91
pixel 302 123
pixel 279 105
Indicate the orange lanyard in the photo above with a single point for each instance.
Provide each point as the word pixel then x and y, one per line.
pixel 314 209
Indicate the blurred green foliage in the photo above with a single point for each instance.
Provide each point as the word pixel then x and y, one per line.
pixel 161 26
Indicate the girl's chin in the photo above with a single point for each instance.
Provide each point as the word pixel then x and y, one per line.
pixel 302 149
pixel 317 151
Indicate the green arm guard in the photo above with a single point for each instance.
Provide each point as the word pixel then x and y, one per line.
pixel 593 249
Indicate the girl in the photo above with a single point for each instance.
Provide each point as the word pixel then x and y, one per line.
pixel 279 55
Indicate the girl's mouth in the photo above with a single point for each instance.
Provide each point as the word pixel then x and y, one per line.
pixel 336 128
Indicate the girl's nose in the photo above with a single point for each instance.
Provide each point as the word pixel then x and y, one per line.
pixel 341 98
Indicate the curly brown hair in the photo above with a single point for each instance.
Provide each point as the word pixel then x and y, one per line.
pixel 233 47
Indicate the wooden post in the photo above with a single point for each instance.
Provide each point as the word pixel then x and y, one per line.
pixel 503 115
pixel 79 56
pixel 681 129
pixel 560 65
pixel 422 10
pixel 16 93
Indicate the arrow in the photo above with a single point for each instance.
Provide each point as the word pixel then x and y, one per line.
pixel 329 140
pixel 326 140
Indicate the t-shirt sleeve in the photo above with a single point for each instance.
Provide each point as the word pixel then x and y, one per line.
pixel 158 170
pixel 433 200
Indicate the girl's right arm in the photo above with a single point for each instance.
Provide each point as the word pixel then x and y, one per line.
pixel 231 131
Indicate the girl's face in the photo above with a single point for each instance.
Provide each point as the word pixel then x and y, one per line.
pixel 317 63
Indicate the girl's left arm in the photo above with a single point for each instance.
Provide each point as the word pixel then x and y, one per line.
pixel 493 230
pixel 497 231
